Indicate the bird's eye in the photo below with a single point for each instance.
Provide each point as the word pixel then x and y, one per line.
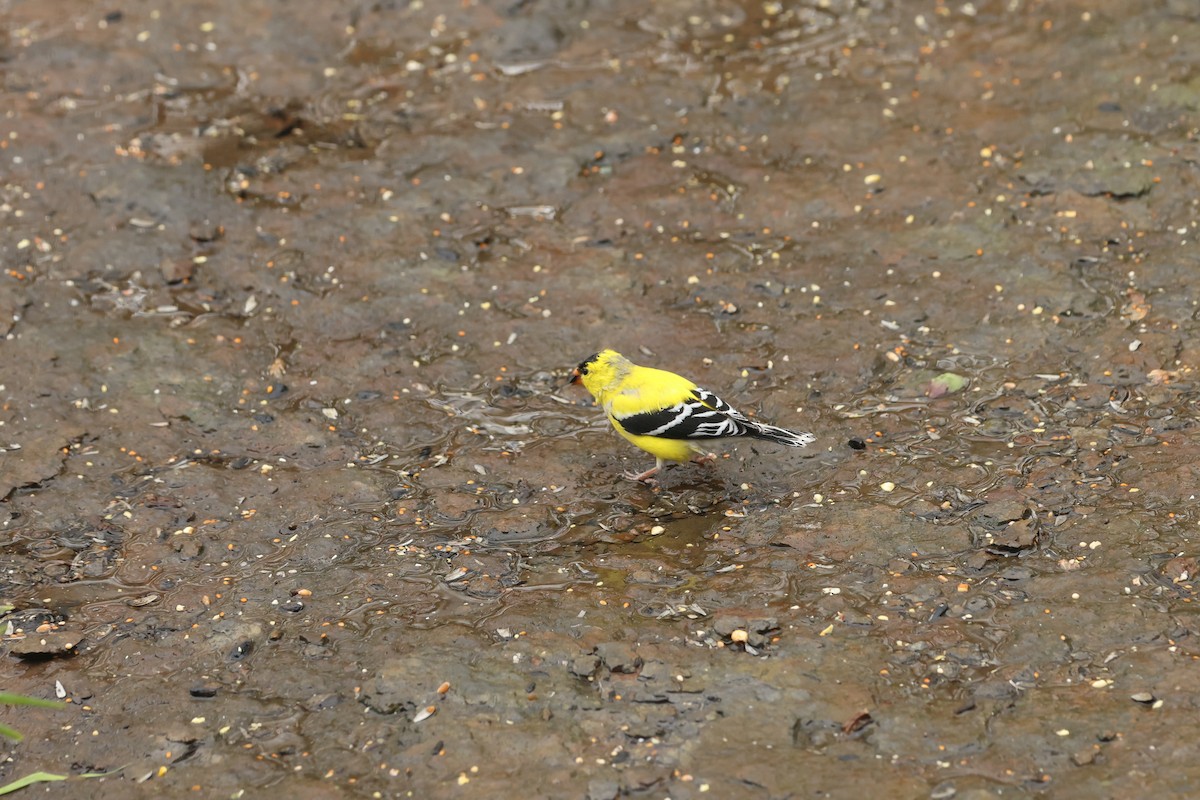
pixel 584 369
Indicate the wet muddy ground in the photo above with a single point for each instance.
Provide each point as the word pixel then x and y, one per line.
pixel 295 498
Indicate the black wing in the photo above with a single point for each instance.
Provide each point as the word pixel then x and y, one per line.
pixel 704 416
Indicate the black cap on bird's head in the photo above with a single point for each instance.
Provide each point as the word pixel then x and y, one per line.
pixel 582 369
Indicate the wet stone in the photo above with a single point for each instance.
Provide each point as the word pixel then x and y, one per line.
pixel 853 618
pixel 655 671
pixel 978 560
pixel 322 702
pixel 1016 574
pixel 648 723
pixel 650 577
pixel 725 624
pixel 814 733
pixel 177 270
pixel 1180 569
pixel 1004 510
pixel 28 620
pixel 654 683
pixel 993 690
pixel 1020 535
pixel 945 670
pixel 757 629
pixel 977 605
pixel 188 548
pixel 603 789
pixel 391 690
pixel 52 644
pixel 512 525
pixel 585 666
pixel 619 657
pixel 922 593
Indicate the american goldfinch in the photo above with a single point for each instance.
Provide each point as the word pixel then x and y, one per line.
pixel 666 414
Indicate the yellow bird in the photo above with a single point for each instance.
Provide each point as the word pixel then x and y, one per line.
pixel 666 414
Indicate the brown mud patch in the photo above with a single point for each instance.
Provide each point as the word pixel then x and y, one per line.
pixel 292 497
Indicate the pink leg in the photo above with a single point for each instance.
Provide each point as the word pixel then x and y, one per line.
pixel 647 476
pixel 707 458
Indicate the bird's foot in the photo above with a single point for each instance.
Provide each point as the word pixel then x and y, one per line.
pixel 642 477
pixel 707 458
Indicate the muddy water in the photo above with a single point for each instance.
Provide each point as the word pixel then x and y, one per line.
pixel 295 498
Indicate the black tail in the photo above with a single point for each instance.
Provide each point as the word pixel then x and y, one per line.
pixel 781 435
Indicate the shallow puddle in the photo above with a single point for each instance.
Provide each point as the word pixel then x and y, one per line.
pixel 294 495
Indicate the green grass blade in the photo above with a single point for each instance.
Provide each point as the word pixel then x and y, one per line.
pixel 48 777
pixel 30 779
pixel 10 699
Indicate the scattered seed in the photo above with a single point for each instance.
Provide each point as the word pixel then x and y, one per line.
pixel 739 635
pixel 425 713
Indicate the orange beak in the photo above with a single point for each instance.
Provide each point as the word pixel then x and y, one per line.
pixel 575 376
